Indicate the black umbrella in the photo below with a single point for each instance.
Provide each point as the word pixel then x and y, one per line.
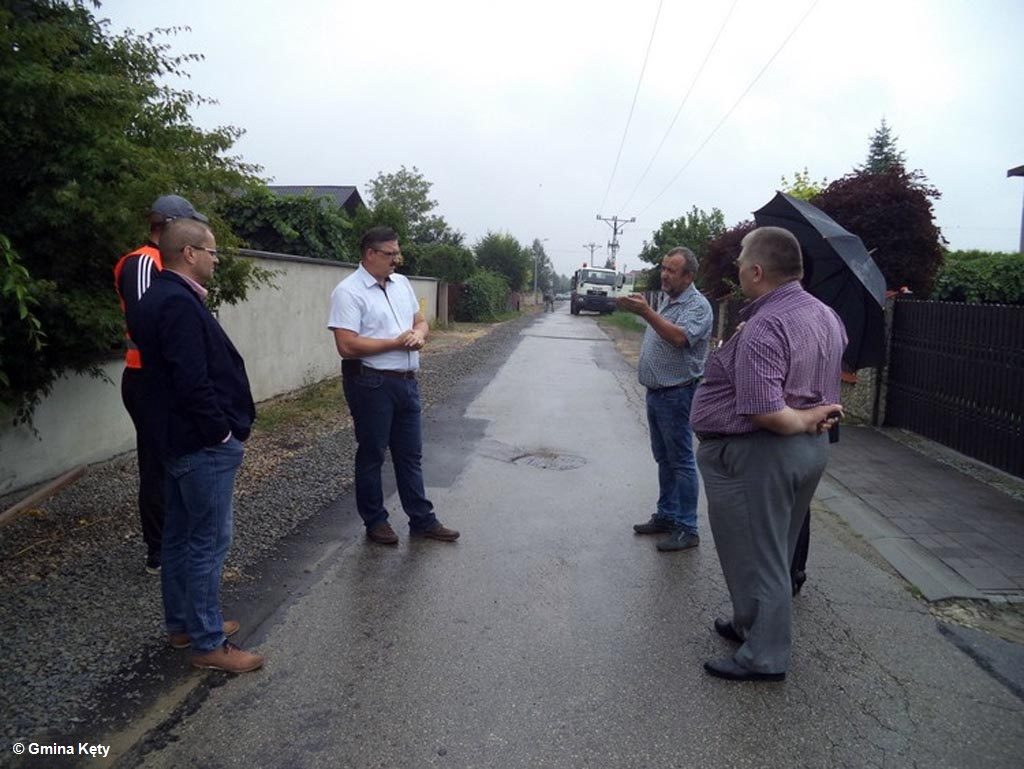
pixel 839 271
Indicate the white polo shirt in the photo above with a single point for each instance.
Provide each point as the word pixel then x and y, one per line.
pixel 358 303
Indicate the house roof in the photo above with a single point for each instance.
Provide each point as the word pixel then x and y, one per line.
pixel 345 196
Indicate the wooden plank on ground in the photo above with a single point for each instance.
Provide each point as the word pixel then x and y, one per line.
pixel 42 493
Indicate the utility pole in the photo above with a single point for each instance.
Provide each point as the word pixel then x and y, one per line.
pixel 617 226
pixel 593 247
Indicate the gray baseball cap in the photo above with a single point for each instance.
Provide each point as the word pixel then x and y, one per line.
pixel 176 207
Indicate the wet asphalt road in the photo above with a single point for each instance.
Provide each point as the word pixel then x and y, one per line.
pixel 550 636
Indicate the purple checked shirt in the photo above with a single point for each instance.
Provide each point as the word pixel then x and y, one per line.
pixel 788 353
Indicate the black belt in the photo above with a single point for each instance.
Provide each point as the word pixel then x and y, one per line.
pixel 710 436
pixel 393 374
pixel 691 383
pixel 356 367
pixel 721 436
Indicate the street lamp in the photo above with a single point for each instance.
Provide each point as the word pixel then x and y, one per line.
pixel 536 258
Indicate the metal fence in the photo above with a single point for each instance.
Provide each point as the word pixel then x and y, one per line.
pixel 956 375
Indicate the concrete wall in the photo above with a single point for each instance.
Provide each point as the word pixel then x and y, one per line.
pixel 281 333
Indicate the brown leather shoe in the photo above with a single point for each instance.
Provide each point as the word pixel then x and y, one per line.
pixel 228 658
pixel 182 641
pixel 439 532
pixel 382 534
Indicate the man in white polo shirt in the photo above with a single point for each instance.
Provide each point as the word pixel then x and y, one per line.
pixel 379 330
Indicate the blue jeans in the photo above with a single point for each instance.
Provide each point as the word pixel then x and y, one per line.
pixel 197 534
pixel 386 414
pixel 668 416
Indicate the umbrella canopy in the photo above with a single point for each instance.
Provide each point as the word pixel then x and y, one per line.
pixel 839 271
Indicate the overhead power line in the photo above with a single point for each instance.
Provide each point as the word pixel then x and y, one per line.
pixel 682 104
pixel 632 106
pixel 731 109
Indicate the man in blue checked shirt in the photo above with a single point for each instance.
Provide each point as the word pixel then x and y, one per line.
pixel 671 364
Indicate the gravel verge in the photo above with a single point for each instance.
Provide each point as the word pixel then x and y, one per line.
pixel 77 611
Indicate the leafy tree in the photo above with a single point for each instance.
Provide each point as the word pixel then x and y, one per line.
pixel 454 264
pixel 718 277
pixel 882 152
pixel 300 225
pixel 410 192
pixel 892 213
pixel 21 297
pixel 384 214
pixel 501 253
pixel 694 229
pixel 803 187
pixel 981 276
pixel 545 270
pixel 88 139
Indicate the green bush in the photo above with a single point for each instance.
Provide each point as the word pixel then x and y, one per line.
pixel 981 277
pixel 301 225
pixel 483 297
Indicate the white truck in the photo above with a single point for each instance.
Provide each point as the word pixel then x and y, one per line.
pixel 595 289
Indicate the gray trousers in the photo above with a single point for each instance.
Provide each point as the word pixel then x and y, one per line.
pixel 758 488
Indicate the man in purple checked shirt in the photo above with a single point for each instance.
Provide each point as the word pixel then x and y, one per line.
pixel 768 396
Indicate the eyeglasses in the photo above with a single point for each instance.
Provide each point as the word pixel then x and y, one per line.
pixel 216 252
pixel 388 254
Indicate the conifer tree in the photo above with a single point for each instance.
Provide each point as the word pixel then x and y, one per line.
pixel 883 154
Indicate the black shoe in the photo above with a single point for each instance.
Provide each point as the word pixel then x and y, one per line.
pixel 655 525
pixel 153 563
pixel 725 629
pixel 681 539
pixel 798 578
pixel 731 670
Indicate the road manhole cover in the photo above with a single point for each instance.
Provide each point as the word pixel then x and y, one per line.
pixel 549 460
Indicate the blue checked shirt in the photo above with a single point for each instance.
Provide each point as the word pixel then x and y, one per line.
pixel 661 364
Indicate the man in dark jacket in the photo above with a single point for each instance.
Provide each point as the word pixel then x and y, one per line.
pixel 198 410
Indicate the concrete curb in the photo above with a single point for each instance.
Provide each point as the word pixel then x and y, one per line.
pixel 926 572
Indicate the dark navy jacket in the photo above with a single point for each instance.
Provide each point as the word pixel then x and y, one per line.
pixel 194 379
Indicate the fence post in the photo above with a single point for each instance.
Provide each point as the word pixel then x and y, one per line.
pixel 441 311
pixel 882 372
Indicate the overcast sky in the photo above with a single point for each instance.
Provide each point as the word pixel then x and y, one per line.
pixel 516 110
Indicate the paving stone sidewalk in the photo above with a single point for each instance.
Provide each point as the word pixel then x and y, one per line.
pixel 946 532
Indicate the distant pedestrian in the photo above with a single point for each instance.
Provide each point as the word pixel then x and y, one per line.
pixel 133 274
pixel 199 409
pixel 549 300
pixel 671 363
pixel 379 330
pixel 768 396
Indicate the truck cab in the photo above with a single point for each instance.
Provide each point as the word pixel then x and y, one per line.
pixel 595 289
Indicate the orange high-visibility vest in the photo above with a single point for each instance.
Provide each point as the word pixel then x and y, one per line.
pixel 132 357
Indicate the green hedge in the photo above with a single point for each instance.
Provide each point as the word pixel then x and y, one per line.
pixel 981 277
pixel 483 297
